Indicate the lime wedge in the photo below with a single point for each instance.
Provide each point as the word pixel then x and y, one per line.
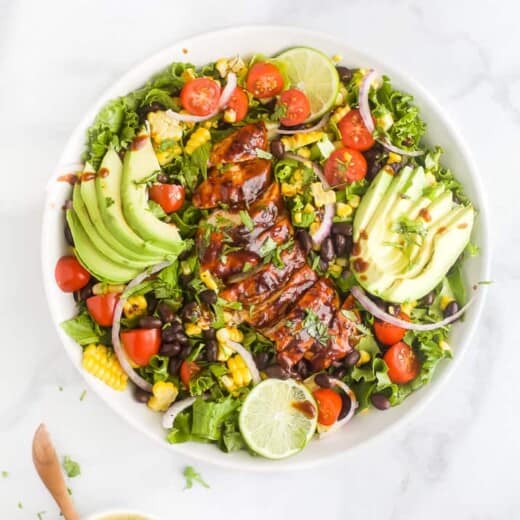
pixel 314 73
pixel 278 418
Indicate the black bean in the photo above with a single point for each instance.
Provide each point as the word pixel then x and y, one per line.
pixel 211 350
pixel 340 373
pixel 261 360
pixel 208 296
pixel 140 395
pixel 185 254
pixel 323 380
pixel 342 228
pixel 152 107
pixel 324 265
pixel 173 365
pixel 340 244
pixel 210 333
pixel 177 326
pixel 151 303
pixel 348 246
pixel 165 312
pixel 345 74
pixel 346 274
pixel 149 322
pixel 67 204
pixel 185 279
pixel 451 309
pixel 170 349
pixel 162 178
pixel 190 312
pixel 304 239
pixel 276 372
pixel 380 303
pixel 380 401
pixel 346 404
pixel 302 369
pixel 277 148
pixel 352 358
pixel 396 166
pixel 327 250
pixel 181 338
pixel 168 335
pixel 185 352
pixel 68 235
pixel 376 159
pixel 428 299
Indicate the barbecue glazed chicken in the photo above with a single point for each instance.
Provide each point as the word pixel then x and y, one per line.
pixel 250 246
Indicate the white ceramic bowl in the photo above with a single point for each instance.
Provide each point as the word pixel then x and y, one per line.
pixel 269 40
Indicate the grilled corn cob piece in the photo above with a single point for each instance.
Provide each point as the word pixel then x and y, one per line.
pixel 163 395
pixel 293 142
pixel 135 306
pixel 101 362
pixel 197 138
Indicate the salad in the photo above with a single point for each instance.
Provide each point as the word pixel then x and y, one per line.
pixel 263 248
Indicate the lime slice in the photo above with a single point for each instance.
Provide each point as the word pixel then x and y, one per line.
pixel 314 73
pixel 278 418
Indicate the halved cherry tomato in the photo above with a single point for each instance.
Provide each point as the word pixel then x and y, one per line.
pixel 239 102
pixel 345 166
pixel 354 133
pixel 101 308
pixel 389 334
pixel 70 275
pixel 188 370
pixel 264 80
pixel 296 106
pixel 200 96
pixel 329 405
pixel 141 344
pixel 169 196
pixel 403 365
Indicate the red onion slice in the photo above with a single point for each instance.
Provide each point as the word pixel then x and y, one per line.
pixel 230 87
pixel 315 167
pixel 326 224
pixel 373 309
pixel 364 106
pixel 319 125
pixel 189 118
pixel 174 410
pixel 353 406
pixel 116 327
pixel 395 149
pixel 248 359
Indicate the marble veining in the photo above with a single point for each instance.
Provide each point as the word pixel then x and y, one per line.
pixel 458 459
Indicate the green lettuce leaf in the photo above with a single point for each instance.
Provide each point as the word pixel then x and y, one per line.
pixel 208 417
pixel 84 330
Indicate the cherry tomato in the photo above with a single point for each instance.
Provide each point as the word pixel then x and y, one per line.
pixel 403 365
pixel 264 80
pixel 345 166
pixel 70 275
pixel 200 96
pixel 329 405
pixel 296 105
pixel 141 344
pixel 188 370
pixel 389 334
pixel 169 196
pixel 101 308
pixel 239 102
pixel 354 133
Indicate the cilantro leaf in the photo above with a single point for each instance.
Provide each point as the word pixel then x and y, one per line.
pixel 83 330
pixel 191 476
pixel 71 467
pixel 246 220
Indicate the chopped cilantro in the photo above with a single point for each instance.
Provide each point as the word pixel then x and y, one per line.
pixel 83 394
pixel 246 220
pixel 247 267
pixel 262 154
pixel 268 246
pixel 5 474
pixel 40 514
pixel 20 505
pixel 315 327
pixel 191 476
pixel 109 201
pixel 71 467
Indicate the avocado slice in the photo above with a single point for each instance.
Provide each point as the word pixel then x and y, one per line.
pixel 93 260
pixel 140 163
pixel 405 242
pixel 108 195
pixel 87 195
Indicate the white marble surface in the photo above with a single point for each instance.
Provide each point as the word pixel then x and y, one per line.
pixel 459 459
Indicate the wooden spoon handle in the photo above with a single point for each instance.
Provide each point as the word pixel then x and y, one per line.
pixel 48 467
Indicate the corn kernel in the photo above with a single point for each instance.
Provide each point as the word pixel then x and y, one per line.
pixel 309 208
pixel 304 152
pixel 197 139
pixel 337 58
pixel 314 227
pixel 224 352
pixel 343 210
pixel 343 262
pixel 407 307
pixel 230 115
pixel 163 395
pixel 228 382
pixel 394 158
pixel 104 288
pixel 188 74
pixel 322 197
pixel 297 218
pixel 290 190
pixel 192 329
pixel 99 361
pixel 445 346
pixel 294 142
pixel 339 114
pixel 297 176
pixel 445 301
pixel 229 333
pixel 354 200
pixel 135 306
pixel 222 67
pixel 239 371
pixel 335 269
pixel 363 358
pixel 208 280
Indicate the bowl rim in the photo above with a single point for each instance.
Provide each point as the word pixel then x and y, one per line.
pixel 412 85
